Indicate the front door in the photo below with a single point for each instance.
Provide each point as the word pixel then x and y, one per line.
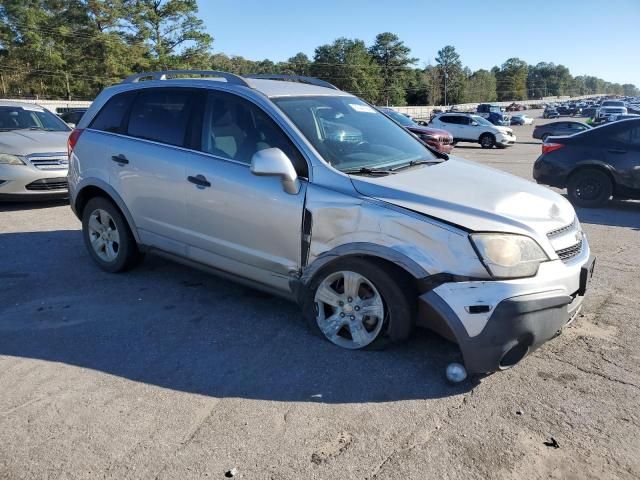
pixel 239 222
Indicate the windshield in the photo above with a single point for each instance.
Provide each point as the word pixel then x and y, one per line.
pixel 32 118
pixel 481 120
pixel 350 134
pixel 494 109
pixel 401 119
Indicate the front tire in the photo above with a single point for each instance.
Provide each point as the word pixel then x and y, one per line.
pixel 356 304
pixel 589 188
pixel 487 140
pixel 107 236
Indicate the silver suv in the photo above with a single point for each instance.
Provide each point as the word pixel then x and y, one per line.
pixel 306 191
pixel 33 153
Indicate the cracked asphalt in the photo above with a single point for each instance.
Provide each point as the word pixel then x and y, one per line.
pixel 168 373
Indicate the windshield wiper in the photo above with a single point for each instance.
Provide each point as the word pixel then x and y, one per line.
pixel 367 171
pixel 413 163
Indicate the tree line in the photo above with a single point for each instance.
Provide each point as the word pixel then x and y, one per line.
pixel 72 49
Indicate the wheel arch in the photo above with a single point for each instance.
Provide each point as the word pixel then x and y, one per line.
pixel 381 255
pixel 101 189
pixel 594 165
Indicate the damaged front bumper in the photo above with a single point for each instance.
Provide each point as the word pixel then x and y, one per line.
pixel 496 332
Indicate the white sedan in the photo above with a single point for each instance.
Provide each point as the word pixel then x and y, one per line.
pixel 521 119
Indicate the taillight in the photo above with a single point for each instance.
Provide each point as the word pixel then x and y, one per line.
pixel 550 147
pixel 73 139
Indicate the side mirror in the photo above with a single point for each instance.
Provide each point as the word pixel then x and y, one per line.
pixel 273 162
pixel 71 124
pixel 474 123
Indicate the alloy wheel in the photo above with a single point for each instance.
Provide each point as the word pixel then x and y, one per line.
pixel 349 309
pixel 104 235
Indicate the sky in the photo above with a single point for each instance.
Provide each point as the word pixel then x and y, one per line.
pixel 590 37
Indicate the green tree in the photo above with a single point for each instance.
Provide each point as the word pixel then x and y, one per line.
pixel 299 64
pixel 451 75
pixel 348 64
pixel 482 87
pixel 172 31
pixel 392 55
pixel 630 90
pixel 512 80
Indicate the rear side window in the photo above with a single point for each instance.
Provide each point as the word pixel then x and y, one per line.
pixel 111 116
pixel 449 119
pixel 161 115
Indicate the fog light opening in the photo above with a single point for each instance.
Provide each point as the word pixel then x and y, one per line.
pixel 514 355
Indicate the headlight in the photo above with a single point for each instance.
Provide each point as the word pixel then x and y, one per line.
pixel 8 159
pixel 508 255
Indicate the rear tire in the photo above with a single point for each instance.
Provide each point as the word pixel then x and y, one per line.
pixel 589 188
pixel 335 300
pixel 487 140
pixel 107 236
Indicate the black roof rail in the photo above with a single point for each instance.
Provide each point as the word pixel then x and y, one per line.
pixel 293 78
pixel 162 75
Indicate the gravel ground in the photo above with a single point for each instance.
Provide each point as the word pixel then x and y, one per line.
pixel 166 372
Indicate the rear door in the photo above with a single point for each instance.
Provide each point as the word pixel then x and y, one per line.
pixel 239 222
pixel 147 164
pixel 623 153
pixel 451 124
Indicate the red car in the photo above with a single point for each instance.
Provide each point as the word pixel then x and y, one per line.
pixel 440 140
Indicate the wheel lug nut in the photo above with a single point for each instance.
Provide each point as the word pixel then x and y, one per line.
pixel 341 303
pixel 352 317
pixel 342 314
pixel 357 308
pixel 349 299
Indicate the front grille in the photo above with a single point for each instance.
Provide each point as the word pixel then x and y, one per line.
pixel 48 184
pixel 49 161
pixel 561 230
pixel 571 252
pixel 446 140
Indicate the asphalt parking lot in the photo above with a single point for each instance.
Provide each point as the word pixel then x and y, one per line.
pixel 167 372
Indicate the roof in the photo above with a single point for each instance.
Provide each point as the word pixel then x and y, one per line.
pixel 271 88
pixel 281 88
pixel 13 103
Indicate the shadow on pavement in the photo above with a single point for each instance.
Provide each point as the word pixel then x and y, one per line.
pixel 617 213
pixel 33 205
pixel 178 328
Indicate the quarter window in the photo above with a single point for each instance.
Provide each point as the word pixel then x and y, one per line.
pixel 161 115
pixel 110 117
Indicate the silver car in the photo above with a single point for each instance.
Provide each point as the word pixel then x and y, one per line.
pixel 33 153
pixel 301 189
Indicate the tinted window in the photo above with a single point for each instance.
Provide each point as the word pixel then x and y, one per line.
pixel 627 135
pixel 161 115
pixel 235 128
pixel 110 117
pixel 30 118
pixel 450 119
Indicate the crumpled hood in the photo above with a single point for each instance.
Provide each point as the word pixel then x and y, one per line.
pixel 25 142
pixel 472 196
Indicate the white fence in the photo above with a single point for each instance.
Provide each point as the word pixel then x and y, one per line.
pixel 57 106
pixel 423 111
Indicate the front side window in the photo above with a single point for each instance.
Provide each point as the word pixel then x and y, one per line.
pixel 30 118
pixel 350 134
pixel 235 129
pixel 161 115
